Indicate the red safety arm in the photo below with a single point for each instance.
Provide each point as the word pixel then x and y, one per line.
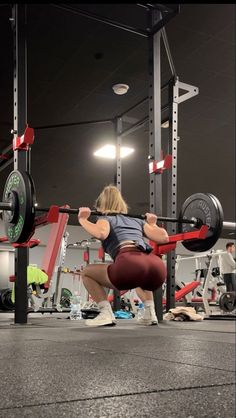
pixel 48 218
pixel 160 249
pixel 29 244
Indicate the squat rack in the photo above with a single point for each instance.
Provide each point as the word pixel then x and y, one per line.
pixel 158 16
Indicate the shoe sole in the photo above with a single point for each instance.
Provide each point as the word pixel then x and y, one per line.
pixel 109 324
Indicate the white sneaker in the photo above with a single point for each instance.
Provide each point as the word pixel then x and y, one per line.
pixel 105 317
pixel 149 317
pixel 90 305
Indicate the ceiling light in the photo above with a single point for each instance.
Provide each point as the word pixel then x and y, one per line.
pixel 126 151
pixel 120 88
pixel 109 151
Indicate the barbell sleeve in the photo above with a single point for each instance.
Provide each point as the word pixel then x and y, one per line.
pixel 6 206
pixel 229 225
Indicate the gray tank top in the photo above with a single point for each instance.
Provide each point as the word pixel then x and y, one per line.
pixel 123 228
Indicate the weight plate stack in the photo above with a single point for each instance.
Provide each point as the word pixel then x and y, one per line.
pixel 20 192
pixel 227 301
pixel 208 210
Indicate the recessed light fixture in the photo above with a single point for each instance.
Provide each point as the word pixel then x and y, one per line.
pixel 109 151
pixel 120 88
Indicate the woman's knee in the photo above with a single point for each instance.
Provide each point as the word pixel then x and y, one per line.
pixel 90 271
pixel 97 273
pixel 84 272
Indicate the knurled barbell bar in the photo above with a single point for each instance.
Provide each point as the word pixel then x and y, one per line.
pixel 19 211
pixel 9 207
pixel 70 211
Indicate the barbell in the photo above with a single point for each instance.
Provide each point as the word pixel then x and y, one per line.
pixel 19 210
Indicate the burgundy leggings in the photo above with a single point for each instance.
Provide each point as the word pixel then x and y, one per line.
pixel 134 268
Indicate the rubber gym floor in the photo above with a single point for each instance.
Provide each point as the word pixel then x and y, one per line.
pixel 55 367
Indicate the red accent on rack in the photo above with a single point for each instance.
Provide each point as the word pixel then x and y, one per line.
pixel 23 142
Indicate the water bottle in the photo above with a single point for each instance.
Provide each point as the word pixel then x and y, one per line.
pixel 75 310
pixel 140 311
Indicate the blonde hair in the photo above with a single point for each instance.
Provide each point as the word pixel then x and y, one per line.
pixel 111 201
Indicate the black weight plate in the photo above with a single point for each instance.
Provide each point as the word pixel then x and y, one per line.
pixel 19 228
pixel 220 211
pixel 6 303
pixel 207 208
pixel 227 301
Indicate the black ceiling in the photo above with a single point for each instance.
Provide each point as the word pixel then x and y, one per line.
pixel 73 63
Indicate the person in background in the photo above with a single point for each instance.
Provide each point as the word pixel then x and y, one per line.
pixel 134 265
pixel 228 267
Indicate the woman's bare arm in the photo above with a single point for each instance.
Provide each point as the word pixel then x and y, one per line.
pixel 99 230
pixel 154 232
